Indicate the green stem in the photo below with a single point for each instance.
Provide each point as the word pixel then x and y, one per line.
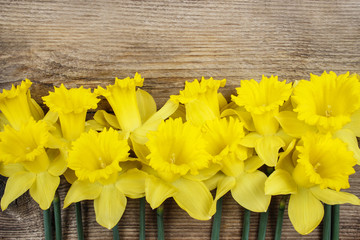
pixel 115 231
pixel 57 213
pixel 335 222
pixel 47 224
pixel 215 233
pixel 160 222
pixel 142 219
pixel 246 225
pixel 327 222
pixel 79 225
pixel 262 225
pixel 280 217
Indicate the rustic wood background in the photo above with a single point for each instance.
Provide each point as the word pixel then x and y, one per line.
pixel 91 42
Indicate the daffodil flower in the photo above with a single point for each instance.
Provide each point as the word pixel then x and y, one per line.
pixel 238 167
pixel 71 105
pixel 315 172
pixel 327 101
pixel 29 164
pixel 17 105
pixel 262 100
pixel 177 154
pixel 202 100
pixel 135 111
pixel 103 175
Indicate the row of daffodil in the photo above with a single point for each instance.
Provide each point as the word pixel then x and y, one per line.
pixel 307 132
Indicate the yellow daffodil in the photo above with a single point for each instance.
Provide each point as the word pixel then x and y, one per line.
pixel 28 164
pixel 327 101
pixel 135 111
pixel 201 100
pixel 315 172
pixel 177 153
pixel 71 106
pixel 97 159
pixel 262 100
pixel 239 172
pixel 18 106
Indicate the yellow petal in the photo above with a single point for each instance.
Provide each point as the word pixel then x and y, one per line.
pixel 8 170
pixel 253 163
pixel 249 191
pixel 332 197
pixel 292 125
pixel 132 183
pixel 250 140
pixel 242 114
pixel 82 190
pixel 146 103
pixel 267 148
pixel 106 119
pixel 354 124
pixel 35 109
pixel 280 182
pixel 51 117
pixel 94 125
pixel 266 122
pixel 139 135
pixel 224 185
pixel 141 151
pixel 348 137
pixel 193 197
pixel 109 206
pixel 58 163
pixel 157 191
pixel 305 211
pixel 43 190
pixel 16 185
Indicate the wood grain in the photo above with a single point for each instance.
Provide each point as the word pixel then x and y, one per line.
pixel 91 42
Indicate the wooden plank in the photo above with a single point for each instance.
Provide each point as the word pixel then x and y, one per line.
pixel 168 42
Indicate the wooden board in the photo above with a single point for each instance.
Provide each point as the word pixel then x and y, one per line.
pixel 90 43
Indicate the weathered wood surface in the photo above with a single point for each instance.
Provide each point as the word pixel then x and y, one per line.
pixel 91 42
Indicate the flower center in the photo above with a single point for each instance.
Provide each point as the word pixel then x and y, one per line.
pixel 328 111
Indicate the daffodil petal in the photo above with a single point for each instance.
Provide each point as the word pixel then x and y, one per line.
pixel 305 211
pixel 292 125
pixel 106 119
pixel 51 117
pixel 139 135
pixel 249 191
pixel 82 190
pixel 194 197
pixel 267 148
pixel 58 163
pixel 348 137
pixel 109 206
pixel 253 163
pixel 8 170
pixel 244 116
pixel 43 190
pixel 141 151
pixel 146 104
pixel 354 124
pixel 224 185
pixel 94 125
pixel 250 140
pixel 16 185
pixel 332 197
pixel 157 191
pixel 35 109
pixel 280 182
pixel 132 183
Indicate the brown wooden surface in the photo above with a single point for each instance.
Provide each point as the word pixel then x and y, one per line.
pixel 91 42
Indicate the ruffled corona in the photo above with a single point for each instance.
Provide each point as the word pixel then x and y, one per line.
pixel 24 144
pixel 14 104
pixel 262 97
pixel 324 161
pixel 96 156
pixel 327 101
pixel 177 148
pixel 223 137
pixel 201 99
pixel 122 98
pixel 72 106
